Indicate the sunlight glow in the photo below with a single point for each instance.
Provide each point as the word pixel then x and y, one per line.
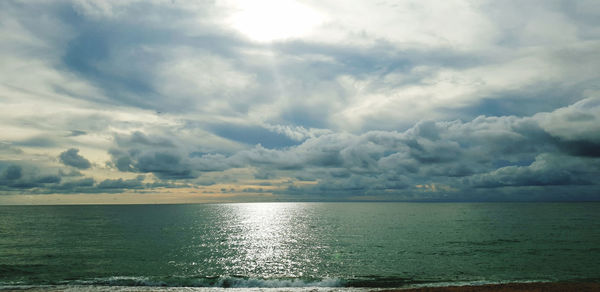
pixel 270 20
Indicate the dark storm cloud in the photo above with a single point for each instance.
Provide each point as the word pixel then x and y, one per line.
pixel 14 177
pixel 83 185
pixel 546 170
pixel 28 179
pixel 165 165
pixel 71 157
pixel 32 180
pixel 159 154
pixel 12 172
pixel 75 184
pixel 580 147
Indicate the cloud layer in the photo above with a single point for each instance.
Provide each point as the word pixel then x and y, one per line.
pixel 449 101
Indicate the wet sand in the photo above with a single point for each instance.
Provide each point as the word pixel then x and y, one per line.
pixel 511 287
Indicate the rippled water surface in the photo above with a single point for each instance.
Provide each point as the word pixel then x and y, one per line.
pixel 298 244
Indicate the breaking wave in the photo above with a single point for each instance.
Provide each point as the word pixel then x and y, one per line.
pixel 217 282
pixel 228 282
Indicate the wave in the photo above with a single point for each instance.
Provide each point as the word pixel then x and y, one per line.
pixel 216 282
pixel 366 283
pixel 230 282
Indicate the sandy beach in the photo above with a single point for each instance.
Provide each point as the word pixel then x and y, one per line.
pixel 511 287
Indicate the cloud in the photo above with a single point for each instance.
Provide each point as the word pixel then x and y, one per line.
pixel 429 100
pixel 140 139
pixel 370 78
pixel 12 172
pixel 6 148
pixel 546 170
pixel 73 185
pixel 15 177
pixel 486 152
pixel 31 180
pixel 451 158
pixel 577 122
pixel 39 141
pixel 165 165
pixel 121 184
pixel 447 152
pixel 253 135
pixel 71 157
pixel 75 133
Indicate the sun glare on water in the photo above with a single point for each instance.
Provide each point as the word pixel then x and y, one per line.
pixel 270 20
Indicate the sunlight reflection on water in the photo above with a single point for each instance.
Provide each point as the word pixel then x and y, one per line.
pixel 267 237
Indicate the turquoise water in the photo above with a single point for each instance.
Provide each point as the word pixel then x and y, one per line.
pixel 298 244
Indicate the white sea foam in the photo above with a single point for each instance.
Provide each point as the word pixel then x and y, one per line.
pixel 96 288
pixel 208 282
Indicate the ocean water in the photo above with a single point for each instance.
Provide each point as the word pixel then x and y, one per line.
pixel 297 245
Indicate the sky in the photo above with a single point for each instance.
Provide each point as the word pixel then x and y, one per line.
pixel 284 100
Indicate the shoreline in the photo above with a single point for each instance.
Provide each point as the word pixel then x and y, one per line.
pixel 501 287
pixel 509 287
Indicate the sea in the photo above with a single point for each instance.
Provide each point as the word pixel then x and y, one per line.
pixel 295 246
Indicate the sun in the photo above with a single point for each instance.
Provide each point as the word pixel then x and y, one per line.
pixel 271 20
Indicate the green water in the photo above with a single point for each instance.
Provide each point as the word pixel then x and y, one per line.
pixel 299 244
